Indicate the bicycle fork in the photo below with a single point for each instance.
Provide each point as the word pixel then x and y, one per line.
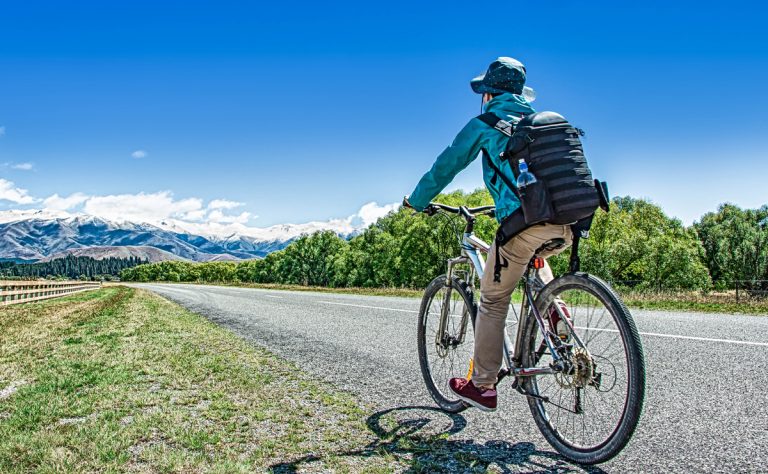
pixel 445 310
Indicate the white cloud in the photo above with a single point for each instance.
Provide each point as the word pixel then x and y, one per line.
pixel 194 216
pixel 371 212
pixel 59 203
pixel 224 204
pixel 184 215
pixel 159 208
pixel 142 207
pixel 139 154
pixel 22 166
pixel 219 217
pixel 9 192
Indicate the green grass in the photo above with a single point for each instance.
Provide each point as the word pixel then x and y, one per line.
pixel 121 380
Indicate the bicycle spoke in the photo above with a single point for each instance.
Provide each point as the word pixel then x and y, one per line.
pixel 446 358
pixel 600 410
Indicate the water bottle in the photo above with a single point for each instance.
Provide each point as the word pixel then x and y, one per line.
pixel 525 177
pixel 534 197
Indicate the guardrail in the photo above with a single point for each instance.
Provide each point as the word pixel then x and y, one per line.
pixel 17 291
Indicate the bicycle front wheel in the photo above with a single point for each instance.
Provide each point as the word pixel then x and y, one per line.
pixel 589 412
pixel 447 354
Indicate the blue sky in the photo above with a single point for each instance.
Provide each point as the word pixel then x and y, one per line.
pixel 308 111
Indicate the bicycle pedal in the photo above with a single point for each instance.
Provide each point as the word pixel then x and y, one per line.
pixel 502 373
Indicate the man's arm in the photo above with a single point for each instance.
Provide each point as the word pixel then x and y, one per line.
pixel 464 149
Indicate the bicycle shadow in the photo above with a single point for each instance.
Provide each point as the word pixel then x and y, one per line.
pixel 418 436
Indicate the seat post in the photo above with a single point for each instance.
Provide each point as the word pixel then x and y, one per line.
pixel 575 264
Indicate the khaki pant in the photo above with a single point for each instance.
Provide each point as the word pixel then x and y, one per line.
pixel 495 296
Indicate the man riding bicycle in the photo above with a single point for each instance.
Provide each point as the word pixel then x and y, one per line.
pixel 502 94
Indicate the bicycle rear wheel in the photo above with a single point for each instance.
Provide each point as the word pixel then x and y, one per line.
pixel 443 357
pixel 589 414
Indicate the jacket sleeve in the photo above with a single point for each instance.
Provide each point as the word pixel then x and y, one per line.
pixel 464 149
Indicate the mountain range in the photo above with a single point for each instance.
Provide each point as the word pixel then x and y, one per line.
pixel 41 235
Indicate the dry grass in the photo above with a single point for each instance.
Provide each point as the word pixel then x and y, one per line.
pixel 715 302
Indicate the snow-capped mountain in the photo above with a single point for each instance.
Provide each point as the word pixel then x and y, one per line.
pixel 35 235
pixel 248 242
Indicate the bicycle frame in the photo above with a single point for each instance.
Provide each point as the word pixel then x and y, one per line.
pixel 471 249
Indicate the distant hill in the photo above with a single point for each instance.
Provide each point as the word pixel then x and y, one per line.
pixel 36 236
pixel 143 252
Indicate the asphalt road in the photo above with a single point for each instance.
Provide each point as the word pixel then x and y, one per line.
pixel 706 406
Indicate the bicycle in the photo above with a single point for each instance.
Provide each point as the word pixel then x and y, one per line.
pixel 584 390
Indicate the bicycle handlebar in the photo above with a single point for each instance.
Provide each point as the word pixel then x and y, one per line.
pixel 466 212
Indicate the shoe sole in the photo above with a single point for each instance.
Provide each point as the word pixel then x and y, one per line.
pixel 473 403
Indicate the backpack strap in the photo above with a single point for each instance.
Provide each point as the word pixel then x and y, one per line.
pixel 515 223
pixel 490 119
pixel 498 173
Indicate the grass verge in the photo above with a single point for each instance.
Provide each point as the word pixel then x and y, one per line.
pixel 121 380
pixel 696 301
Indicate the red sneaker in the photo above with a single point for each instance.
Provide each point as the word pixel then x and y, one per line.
pixel 558 325
pixel 484 399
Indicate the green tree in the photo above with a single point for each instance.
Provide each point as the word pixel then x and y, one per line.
pixel 636 244
pixel 735 242
pixel 309 260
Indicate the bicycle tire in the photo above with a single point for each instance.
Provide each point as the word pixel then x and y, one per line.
pixel 438 389
pixel 635 368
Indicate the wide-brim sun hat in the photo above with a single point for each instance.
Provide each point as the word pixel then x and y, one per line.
pixel 504 75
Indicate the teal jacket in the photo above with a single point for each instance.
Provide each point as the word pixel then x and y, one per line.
pixel 475 137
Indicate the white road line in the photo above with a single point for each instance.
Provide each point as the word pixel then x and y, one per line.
pixel 652 334
pixel 369 307
pixel 677 336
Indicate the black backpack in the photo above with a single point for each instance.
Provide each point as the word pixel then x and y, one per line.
pixel 552 149
pixel 565 192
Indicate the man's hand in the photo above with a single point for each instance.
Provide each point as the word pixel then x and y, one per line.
pixel 406 203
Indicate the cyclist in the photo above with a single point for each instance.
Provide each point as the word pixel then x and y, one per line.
pixel 502 94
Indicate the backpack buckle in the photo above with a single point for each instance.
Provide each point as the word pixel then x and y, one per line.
pixel 504 127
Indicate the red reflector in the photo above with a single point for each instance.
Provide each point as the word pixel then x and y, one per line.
pixel 538 263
